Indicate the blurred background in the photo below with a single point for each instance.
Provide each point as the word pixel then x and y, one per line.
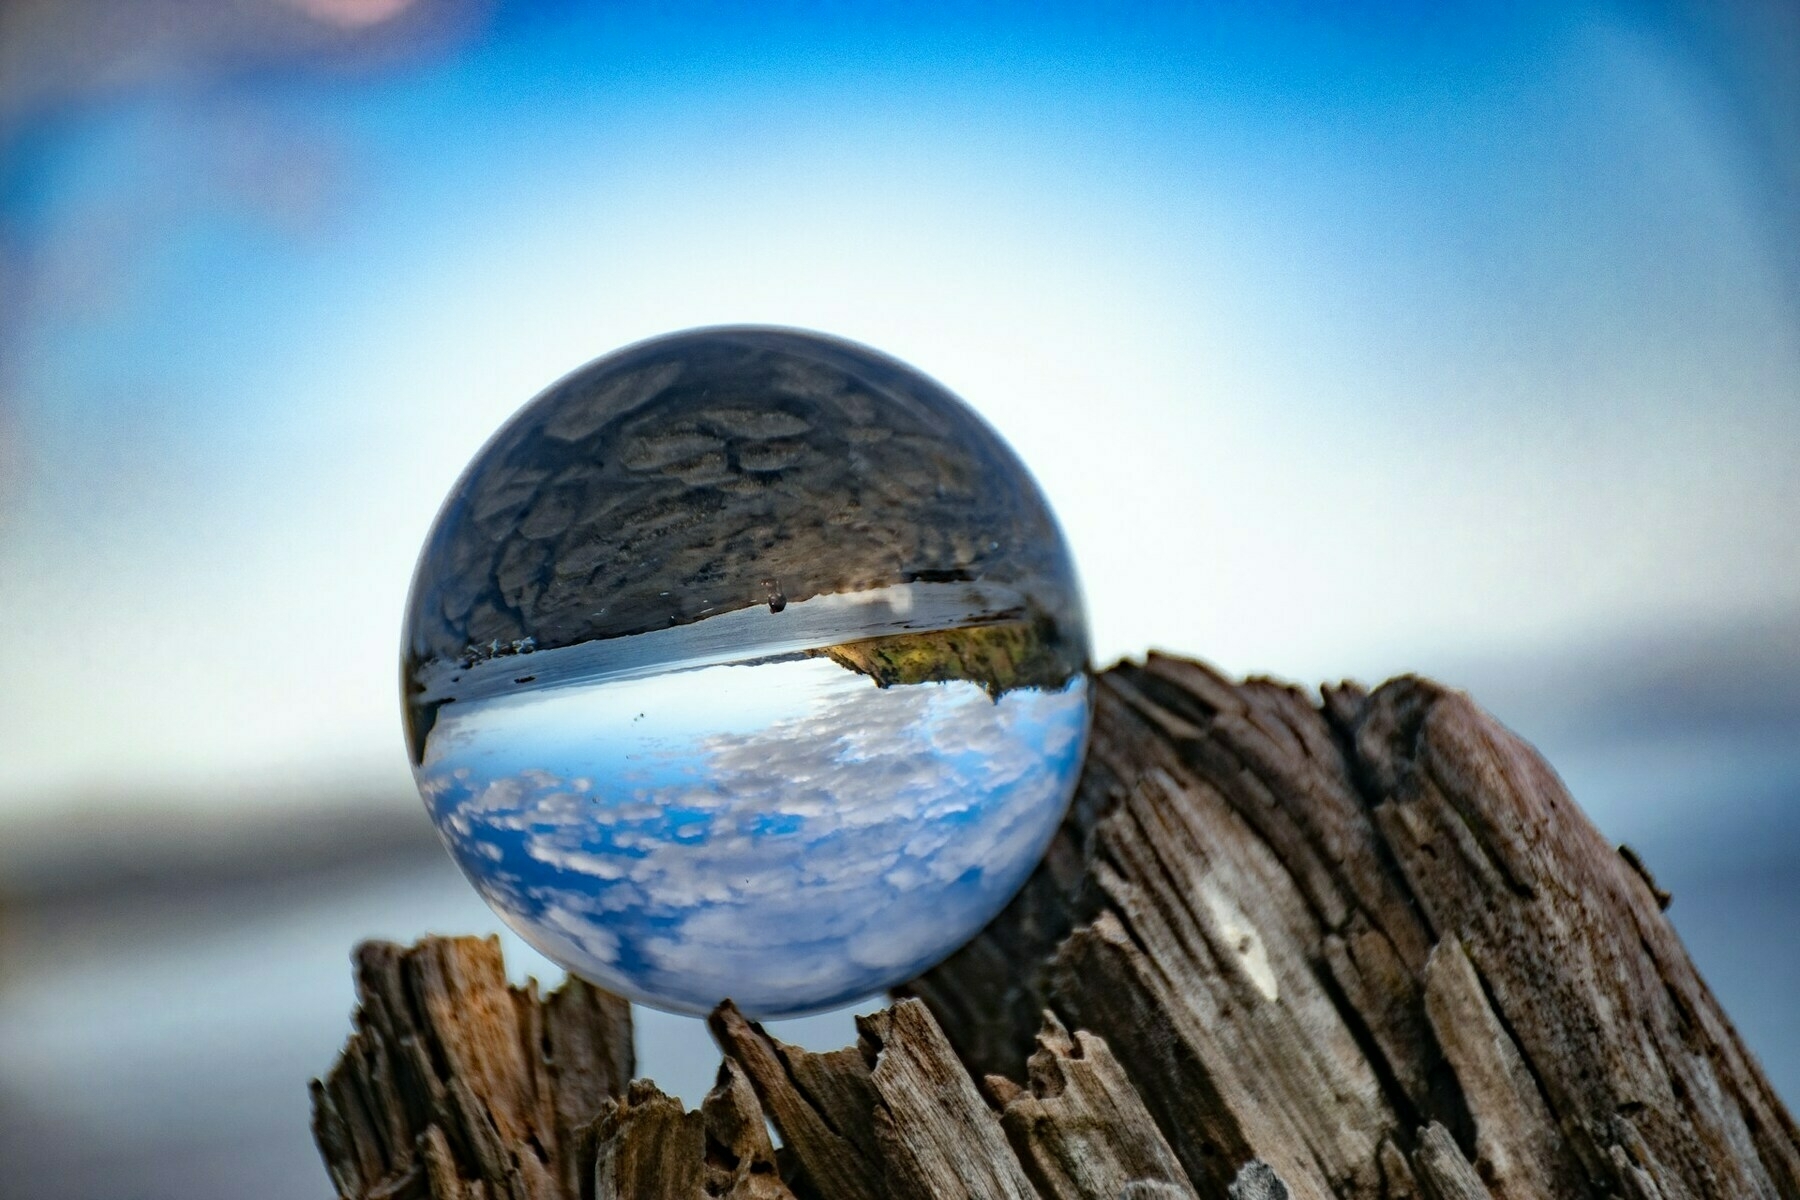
pixel 1453 339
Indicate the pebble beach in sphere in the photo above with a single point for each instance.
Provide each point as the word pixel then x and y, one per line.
pixel 746 663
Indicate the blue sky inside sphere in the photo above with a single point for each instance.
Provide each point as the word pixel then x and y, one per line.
pixel 782 833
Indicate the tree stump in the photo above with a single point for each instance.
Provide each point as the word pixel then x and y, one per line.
pixel 1366 947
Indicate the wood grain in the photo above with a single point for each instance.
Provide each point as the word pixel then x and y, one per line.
pixel 454 1083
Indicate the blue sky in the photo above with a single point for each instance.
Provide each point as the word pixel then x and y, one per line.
pixel 1341 344
pixel 784 833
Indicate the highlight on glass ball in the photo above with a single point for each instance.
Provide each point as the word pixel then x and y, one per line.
pixel 746 663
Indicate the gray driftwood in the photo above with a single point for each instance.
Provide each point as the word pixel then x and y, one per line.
pixel 1363 947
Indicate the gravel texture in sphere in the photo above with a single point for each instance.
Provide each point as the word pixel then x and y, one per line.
pixel 746 663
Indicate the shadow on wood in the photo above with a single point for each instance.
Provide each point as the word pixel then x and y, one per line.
pixel 1367 947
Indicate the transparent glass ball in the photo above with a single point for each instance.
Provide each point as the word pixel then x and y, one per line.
pixel 746 663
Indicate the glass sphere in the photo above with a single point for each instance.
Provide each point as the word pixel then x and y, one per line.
pixel 746 663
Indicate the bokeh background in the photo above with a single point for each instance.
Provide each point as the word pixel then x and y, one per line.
pixel 1347 340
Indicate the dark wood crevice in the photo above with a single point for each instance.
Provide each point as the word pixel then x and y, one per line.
pixel 1362 946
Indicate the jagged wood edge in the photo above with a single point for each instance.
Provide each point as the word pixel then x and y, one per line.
pixel 454 1083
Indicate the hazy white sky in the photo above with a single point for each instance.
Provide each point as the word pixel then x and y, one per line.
pixel 1338 348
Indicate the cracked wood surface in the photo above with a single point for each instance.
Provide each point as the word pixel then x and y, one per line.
pixel 1363 946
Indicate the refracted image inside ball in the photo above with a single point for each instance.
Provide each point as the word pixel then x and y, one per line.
pixel 746 663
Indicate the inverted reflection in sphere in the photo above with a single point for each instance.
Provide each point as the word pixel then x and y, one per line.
pixel 746 663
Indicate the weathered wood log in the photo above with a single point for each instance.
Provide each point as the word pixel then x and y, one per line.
pixel 1363 947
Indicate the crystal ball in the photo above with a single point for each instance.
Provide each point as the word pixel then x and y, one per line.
pixel 746 663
